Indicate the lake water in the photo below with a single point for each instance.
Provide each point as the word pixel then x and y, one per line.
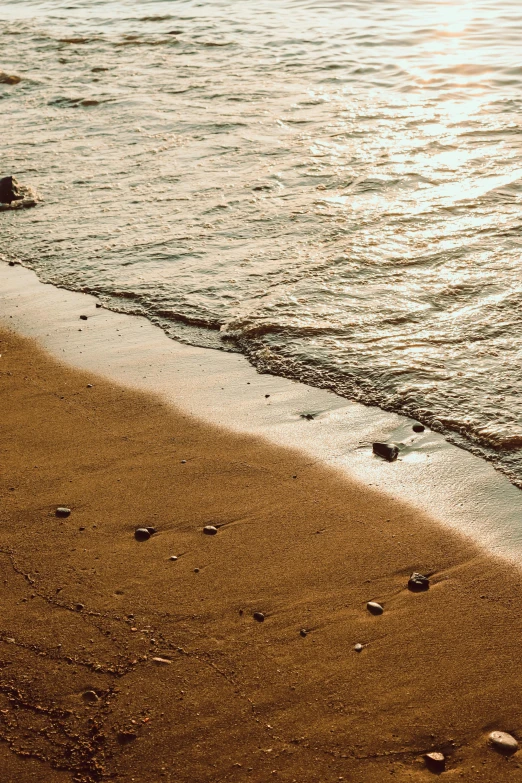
pixel 332 188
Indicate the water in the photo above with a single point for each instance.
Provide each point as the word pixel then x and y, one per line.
pixel 333 188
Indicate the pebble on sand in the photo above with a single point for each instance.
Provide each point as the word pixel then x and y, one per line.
pixel 62 511
pixel 303 632
pixel 417 583
pixel 418 428
pixel 141 534
pixel 161 661
pixel 210 530
pixel 259 616
pixel 388 451
pixel 90 697
pixel 374 608
pixel 435 761
pixel 358 647
pixel 83 318
pixel 503 741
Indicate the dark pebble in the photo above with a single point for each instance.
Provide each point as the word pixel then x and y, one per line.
pixel 387 451
pixel 418 428
pixel 90 697
pixel 79 607
pixel 303 632
pixel 374 608
pixel 259 616
pixel 210 530
pixel 152 530
pixel 435 762
pixel 12 263
pixel 98 304
pixel 61 511
pixel 417 583
pixel 141 534
pixel 267 396
pixel 196 570
pixel 83 318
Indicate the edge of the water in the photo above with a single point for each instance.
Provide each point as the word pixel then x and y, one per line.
pixel 459 489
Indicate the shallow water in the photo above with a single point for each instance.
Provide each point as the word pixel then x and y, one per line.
pixel 333 188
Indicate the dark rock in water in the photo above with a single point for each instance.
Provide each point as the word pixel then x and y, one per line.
pixel 210 530
pixel 83 318
pixel 259 616
pixel 90 697
pixel 503 742
pixel 374 608
pixel 141 534
pixel 388 451
pixel 418 428
pixel 418 582
pixel 62 511
pixel 9 190
pixel 435 762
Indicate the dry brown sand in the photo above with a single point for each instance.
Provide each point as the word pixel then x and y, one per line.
pixel 84 606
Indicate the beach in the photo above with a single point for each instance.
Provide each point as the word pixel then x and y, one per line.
pixel 87 608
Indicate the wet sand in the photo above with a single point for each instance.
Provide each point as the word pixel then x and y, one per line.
pixel 85 607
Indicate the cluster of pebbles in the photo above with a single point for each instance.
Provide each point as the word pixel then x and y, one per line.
pixel 501 741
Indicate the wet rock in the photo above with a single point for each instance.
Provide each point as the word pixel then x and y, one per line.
pixel 358 647
pixel 9 78
pixel 303 632
pixel 259 616
pixel 9 190
pixel 503 742
pixel 141 534
pixel 90 697
pixel 418 428
pixel 62 511
pixel 210 530
pixel 374 608
pixel 435 761
pixel 387 451
pixel 418 582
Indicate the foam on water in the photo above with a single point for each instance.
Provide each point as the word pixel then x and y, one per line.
pixel 332 188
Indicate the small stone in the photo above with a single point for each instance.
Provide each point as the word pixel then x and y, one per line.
pixel 503 741
pixel 90 697
pixel 161 661
pixel 83 318
pixel 387 451
pixel 417 583
pixel 210 530
pixel 98 304
pixel 358 647
pixel 418 428
pixel 141 534
pixel 267 396
pixel 303 632
pixel 173 557
pixel 152 530
pixel 374 608
pixel 79 607
pixel 183 461
pixel 9 190
pixel 259 616
pixel 435 761
pixel 89 385
pixel 61 511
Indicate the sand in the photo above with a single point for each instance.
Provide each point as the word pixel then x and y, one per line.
pixel 85 607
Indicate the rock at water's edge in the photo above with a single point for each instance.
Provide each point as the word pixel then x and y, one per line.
pixel 387 451
pixel 9 190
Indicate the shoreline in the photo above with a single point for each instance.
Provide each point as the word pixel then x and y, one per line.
pixel 121 663
pixel 461 490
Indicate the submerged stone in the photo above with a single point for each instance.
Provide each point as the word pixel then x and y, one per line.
pixel 374 608
pixel 503 741
pixel 387 451
pixel 418 582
